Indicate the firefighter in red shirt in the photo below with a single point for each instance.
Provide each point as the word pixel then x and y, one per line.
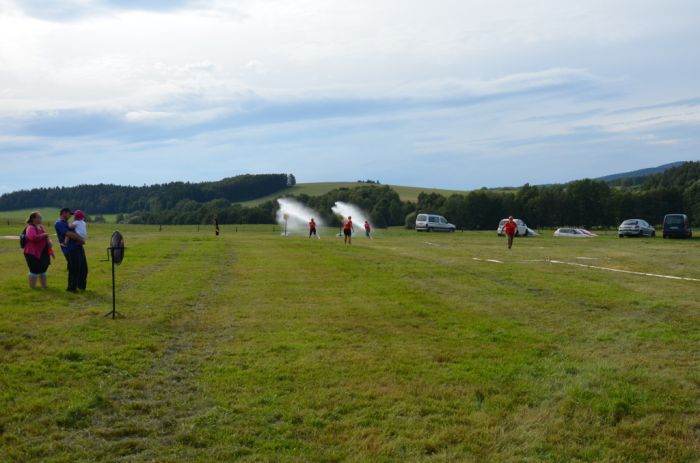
pixel 510 228
pixel 312 229
pixel 347 230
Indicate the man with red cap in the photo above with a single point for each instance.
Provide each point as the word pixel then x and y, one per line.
pixel 510 228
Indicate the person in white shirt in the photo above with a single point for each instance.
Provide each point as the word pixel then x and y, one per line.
pixel 78 226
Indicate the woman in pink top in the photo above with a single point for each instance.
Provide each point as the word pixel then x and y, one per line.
pixel 37 250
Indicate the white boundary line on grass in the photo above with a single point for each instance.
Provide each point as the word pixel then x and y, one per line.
pixel 488 260
pixel 576 264
pixel 656 275
pixel 9 237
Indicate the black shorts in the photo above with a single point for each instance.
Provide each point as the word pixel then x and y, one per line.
pixel 347 232
pixel 312 231
pixel 38 266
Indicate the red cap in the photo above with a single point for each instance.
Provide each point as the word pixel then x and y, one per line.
pixel 79 215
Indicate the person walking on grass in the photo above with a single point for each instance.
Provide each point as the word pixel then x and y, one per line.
pixel 347 231
pixel 510 228
pixel 38 250
pixel 312 229
pixel 74 252
pixel 368 230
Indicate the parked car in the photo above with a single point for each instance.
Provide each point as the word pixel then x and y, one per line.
pixel 574 233
pixel 433 222
pixel 635 227
pixel 677 226
pixel 521 229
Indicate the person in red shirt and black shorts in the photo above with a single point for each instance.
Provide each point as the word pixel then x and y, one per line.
pixel 347 230
pixel 312 229
pixel 510 228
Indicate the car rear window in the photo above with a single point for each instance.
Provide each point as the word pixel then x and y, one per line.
pixel 675 220
pixel 422 217
pixel 629 222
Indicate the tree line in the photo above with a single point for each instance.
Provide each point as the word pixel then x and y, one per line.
pixel 587 203
pixel 110 199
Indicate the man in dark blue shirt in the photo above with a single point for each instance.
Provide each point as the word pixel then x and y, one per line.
pixel 74 252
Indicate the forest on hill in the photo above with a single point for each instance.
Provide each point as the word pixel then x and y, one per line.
pixel 589 203
pixel 110 199
pixel 586 202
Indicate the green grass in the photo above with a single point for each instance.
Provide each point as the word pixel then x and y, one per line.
pixel 49 213
pixel 254 347
pixel 407 193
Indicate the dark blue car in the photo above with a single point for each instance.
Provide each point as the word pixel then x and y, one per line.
pixel 677 226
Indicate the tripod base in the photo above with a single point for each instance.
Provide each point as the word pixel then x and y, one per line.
pixel 114 314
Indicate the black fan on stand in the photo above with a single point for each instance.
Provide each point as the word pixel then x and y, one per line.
pixel 115 252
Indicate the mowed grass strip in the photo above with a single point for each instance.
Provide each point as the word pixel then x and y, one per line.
pixel 254 347
pixel 404 348
pixel 78 386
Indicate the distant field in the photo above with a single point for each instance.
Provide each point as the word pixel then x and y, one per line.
pixel 407 193
pixel 49 213
pixel 254 347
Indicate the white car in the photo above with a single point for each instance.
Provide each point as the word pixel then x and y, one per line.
pixel 521 229
pixel 574 233
pixel 432 222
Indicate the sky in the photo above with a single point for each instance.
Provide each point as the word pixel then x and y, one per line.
pixel 448 93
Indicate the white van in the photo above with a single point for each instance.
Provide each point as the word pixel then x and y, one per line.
pixel 432 222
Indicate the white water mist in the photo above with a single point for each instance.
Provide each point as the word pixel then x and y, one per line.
pixel 358 215
pixel 296 216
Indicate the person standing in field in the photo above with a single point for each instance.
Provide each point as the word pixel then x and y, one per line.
pixel 510 228
pixel 216 226
pixel 347 230
pixel 312 229
pixel 368 230
pixel 38 250
pixel 74 252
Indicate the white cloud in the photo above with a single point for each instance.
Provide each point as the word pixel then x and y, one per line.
pixel 461 79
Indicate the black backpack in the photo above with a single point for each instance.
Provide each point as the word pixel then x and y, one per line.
pixel 23 238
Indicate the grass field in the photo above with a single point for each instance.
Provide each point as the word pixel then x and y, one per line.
pixel 407 193
pixel 49 213
pixel 254 347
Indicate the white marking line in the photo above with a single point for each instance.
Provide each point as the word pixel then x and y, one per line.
pixel 431 244
pixel 670 277
pixel 9 237
pixel 488 260
pixel 587 258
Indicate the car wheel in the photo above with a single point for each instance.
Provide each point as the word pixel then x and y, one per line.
pixel 653 234
pixel 620 236
pixel 665 235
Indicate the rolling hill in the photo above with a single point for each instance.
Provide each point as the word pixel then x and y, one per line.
pixel 407 193
pixel 640 172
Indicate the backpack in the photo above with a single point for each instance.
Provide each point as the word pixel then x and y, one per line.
pixel 23 238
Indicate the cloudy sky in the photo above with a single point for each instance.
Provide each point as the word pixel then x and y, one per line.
pixel 444 93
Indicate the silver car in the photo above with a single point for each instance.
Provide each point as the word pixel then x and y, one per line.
pixel 635 227
pixel 433 222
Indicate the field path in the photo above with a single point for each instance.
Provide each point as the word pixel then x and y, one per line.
pixel 165 402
